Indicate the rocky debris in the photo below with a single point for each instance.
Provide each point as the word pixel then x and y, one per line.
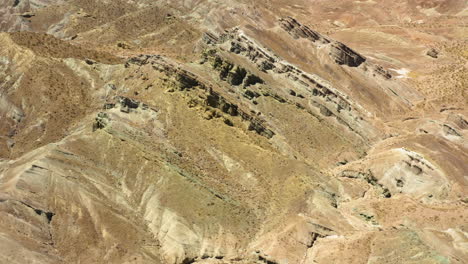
pixel 266 259
pixel 228 122
pixel 405 172
pixel 339 52
pixel 186 81
pixel 218 257
pixel 249 94
pixel 101 121
pixel 369 218
pixel 369 178
pixel 417 159
pixel 297 30
pixel 322 231
pixel 448 130
pixel 294 93
pixel 89 62
pixel 182 79
pixel 142 60
pixel 257 126
pixel 457 120
pixel 112 86
pixel 240 44
pixel 380 71
pixel 126 104
pixel 445 108
pixel 400 182
pixel 123 45
pixel 324 110
pixel 414 168
pixel 210 38
pixel 432 53
pixel 236 75
pixel 216 101
pixel 233 74
pixel 276 97
pixel 342 54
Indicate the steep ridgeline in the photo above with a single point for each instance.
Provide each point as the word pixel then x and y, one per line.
pixel 341 53
pixel 202 93
pixel 321 98
pixel 375 75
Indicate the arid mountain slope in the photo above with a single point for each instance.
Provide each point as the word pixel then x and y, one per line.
pixel 233 132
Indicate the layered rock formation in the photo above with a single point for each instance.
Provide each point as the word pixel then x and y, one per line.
pixel 151 132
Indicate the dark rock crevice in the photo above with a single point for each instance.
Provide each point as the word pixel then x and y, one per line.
pixel 313 239
pixel 266 260
pixel 48 215
pixel 186 81
pixel 257 126
pixel 229 72
pixel 448 130
pixel 236 76
pixel 188 260
pixel 215 100
pixel 252 79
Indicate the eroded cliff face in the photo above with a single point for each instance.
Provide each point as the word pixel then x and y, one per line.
pixel 238 132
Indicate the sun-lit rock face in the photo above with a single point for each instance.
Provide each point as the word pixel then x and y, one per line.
pixel 233 131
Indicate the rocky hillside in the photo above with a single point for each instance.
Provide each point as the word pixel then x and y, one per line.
pixel 202 131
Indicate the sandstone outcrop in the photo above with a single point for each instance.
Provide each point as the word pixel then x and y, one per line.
pixel 342 54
